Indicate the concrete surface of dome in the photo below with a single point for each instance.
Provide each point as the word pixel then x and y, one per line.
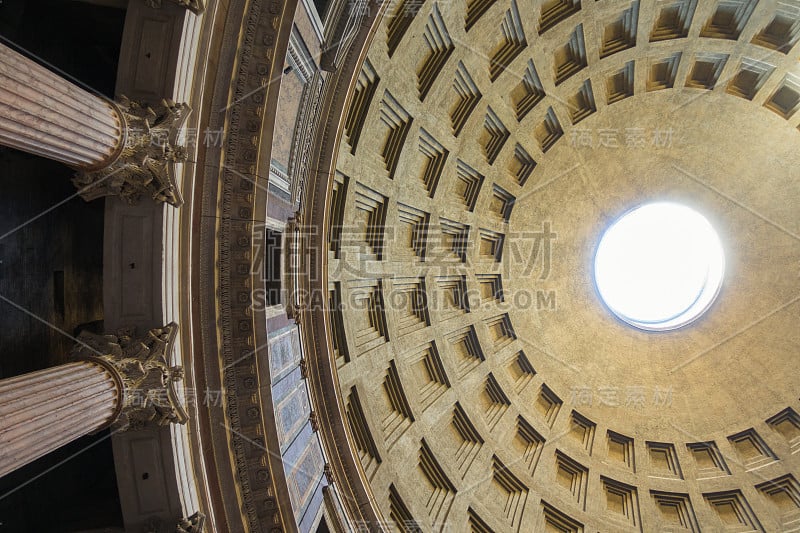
pixel 485 383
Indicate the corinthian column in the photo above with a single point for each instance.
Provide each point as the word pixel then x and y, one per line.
pixel 125 148
pixel 120 382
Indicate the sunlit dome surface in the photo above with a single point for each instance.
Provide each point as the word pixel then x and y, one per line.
pixel 659 266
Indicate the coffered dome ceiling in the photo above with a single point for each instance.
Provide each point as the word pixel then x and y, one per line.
pixel 485 149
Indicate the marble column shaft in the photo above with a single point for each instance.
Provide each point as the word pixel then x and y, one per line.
pixel 44 410
pixel 46 115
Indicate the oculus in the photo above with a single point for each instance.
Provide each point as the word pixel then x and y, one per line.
pixel 659 266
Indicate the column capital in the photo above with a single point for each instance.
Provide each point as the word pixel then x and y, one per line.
pixel 145 162
pixel 142 369
pixel 193 524
pixel 195 6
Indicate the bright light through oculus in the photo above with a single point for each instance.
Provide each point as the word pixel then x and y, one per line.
pixel 659 266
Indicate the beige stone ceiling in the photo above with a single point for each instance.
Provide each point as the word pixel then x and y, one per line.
pixel 460 148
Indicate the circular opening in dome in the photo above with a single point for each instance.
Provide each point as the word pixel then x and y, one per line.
pixel 659 266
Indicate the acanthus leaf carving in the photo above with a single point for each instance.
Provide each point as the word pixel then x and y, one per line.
pixel 145 165
pixel 193 524
pixel 142 367
pixel 195 6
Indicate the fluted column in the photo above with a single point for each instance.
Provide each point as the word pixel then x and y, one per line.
pixel 120 382
pixel 42 411
pixel 44 114
pixel 125 148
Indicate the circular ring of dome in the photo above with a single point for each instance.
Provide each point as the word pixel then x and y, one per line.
pixel 659 266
